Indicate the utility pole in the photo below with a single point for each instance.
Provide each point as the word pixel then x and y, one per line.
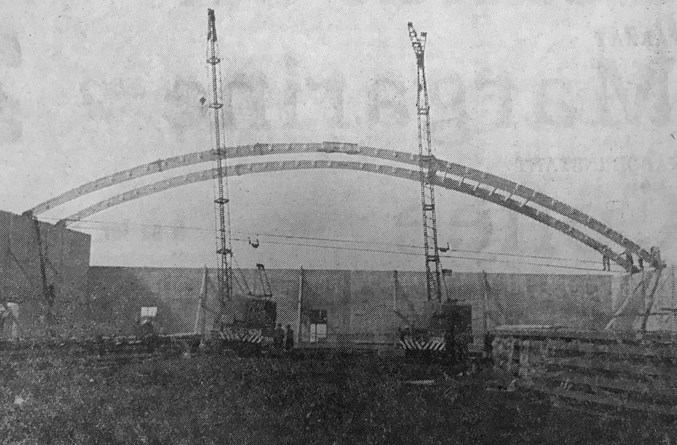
pixel 299 308
pixel 224 242
pixel 396 284
pixel 48 291
pixel 427 171
pixel 486 302
pixel 201 316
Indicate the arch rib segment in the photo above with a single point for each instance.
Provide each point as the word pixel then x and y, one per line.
pixel 445 168
pixel 399 172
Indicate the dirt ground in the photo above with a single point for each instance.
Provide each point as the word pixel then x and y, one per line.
pixel 214 399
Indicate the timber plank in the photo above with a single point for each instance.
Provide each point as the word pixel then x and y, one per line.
pixel 642 370
pixel 657 388
pixel 607 400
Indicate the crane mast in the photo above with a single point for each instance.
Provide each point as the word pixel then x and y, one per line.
pixel 222 208
pixel 427 171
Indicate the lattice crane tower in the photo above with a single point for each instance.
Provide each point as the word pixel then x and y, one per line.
pixel 222 206
pixel 427 171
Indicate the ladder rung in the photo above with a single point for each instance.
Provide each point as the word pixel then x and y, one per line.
pixel 222 201
pixel 213 60
pixel 432 258
pixel 428 207
pixel 215 105
pixel 224 251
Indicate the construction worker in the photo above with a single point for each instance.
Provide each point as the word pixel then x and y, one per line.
pixel 606 263
pixel 451 343
pixel 289 341
pixel 278 337
pixel 655 255
pixel 488 346
pixel 463 347
pixel 146 326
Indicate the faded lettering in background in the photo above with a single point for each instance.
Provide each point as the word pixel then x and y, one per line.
pixel 575 99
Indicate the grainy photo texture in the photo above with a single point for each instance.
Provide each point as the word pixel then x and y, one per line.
pixel 356 222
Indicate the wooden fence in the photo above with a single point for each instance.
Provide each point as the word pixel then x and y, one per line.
pixel 622 370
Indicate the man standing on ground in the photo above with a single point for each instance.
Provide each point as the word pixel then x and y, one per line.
pixel 450 344
pixel 278 337
pixel 289 343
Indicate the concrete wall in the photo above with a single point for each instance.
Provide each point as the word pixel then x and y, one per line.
pixel 118 293
pixel 67 261
pixel 360 303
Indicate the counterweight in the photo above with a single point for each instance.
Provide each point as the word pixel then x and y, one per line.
pixel 222 201
pixel 427 171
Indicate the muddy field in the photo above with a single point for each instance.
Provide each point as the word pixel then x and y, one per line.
pixel 214 399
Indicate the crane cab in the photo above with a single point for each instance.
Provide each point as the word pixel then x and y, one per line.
pixel 454 323
pixel 260 313
pixel 453 317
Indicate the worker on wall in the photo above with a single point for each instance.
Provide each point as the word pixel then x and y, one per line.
pixel 655 255
pixel 629 259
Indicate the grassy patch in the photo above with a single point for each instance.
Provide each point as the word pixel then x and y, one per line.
pixel 215 399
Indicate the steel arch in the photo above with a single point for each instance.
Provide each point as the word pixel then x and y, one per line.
pixel 466 175
pixel 405 173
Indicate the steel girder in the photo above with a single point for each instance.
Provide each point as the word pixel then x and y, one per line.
pixel 500 190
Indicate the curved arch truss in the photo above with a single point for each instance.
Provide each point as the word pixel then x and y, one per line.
pixel 452 176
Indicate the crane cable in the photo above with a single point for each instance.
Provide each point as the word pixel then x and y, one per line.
pixel 362 249
pixel 341 240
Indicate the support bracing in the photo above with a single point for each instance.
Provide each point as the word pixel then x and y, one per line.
pixel 427 172
pixel 222 202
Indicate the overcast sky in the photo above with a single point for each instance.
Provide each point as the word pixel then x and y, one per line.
pixel 573 98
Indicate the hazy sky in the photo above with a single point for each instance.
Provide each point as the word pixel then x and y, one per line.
pixel 573 98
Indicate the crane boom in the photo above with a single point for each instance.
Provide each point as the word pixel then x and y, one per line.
pixel 266 289
pixel 222 207
pixel 427 171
